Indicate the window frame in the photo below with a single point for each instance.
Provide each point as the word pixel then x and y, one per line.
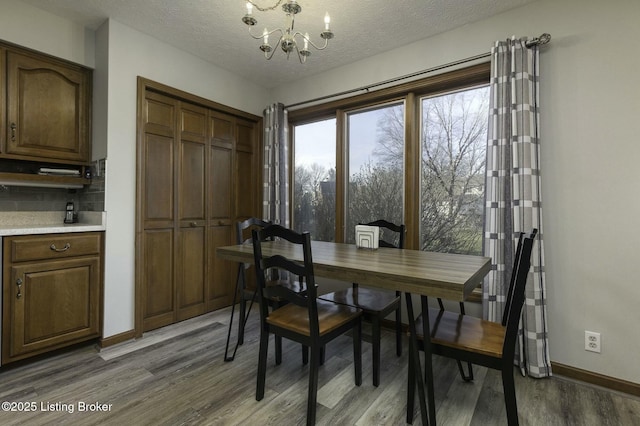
pixel 410 93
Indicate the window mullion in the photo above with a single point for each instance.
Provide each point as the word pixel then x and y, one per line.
pixel 412 172
pixel 341 175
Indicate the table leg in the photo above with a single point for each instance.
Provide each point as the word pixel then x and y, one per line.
pixel 244 315
pixel 414 357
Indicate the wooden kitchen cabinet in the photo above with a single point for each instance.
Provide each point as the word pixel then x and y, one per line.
pixel 48 109
pixel 52 292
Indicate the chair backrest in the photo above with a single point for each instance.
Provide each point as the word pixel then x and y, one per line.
pixel 252 222
pixel 516 294
pixel 303 270
pixel 514 273
pixel 242 228
pixel 386 225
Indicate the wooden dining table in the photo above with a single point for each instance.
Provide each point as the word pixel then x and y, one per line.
pixel 413 272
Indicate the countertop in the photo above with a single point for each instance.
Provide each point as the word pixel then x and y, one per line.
pixel 25 223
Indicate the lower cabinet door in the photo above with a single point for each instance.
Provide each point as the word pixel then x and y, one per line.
pixel 52 304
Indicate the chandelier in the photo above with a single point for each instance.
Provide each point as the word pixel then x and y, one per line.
pixel 289 39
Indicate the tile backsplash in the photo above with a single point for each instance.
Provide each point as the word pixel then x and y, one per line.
pixel 89 198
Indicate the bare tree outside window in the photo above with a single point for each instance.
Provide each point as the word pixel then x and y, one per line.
pixel 453 150
pixel 314 181
pixel 376 181
pixel 454 139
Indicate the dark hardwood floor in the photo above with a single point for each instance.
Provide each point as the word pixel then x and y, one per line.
pixel 177 376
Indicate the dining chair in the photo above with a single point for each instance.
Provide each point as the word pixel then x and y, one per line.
pixel 305 319
pixel 376 304
pixel 487 343
pixel 248 294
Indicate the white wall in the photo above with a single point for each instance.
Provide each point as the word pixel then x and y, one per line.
pixel 36 29
pixel 590 109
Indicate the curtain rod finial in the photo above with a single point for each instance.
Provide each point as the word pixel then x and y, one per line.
pixel 539 41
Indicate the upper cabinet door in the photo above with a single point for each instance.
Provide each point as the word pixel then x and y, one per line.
pixel 3 99
pixel 48 110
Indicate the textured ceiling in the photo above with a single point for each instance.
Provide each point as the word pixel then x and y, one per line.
pixel 213 30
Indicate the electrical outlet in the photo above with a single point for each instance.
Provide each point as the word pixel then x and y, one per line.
pixel 592 341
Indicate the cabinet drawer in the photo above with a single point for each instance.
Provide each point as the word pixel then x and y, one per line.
pixel 54 246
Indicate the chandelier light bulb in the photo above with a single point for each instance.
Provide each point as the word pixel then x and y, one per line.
pixel 327 21
pixel 306 41
pixel 265 36
pixel 249 8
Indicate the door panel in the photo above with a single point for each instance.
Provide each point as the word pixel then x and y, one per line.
pixel 158 181
pixel 220 186
pixel 191 273
pixel 192 181
pixel 158 295
pixel 222 273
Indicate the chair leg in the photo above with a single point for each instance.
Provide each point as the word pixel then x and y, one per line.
pixel 375 343
pixel 278 343
pixel 278 339
pixel 240 338
pixel 305 355
pixel 322 354
pixel 357 352
pixel 243 314
pixel 399 330
pixel 313 385
pixel 509 388
pixel 411 389
pixel 262 364
pixel 465 377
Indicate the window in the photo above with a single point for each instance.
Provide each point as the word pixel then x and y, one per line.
pixel 453 149
pixel 376 166
pixel 314 179
pixel 412 154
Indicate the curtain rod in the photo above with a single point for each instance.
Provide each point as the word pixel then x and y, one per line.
pixel 537 41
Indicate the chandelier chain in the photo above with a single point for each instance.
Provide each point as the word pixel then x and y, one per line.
pixel 261 9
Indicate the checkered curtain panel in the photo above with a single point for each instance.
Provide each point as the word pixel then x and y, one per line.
pixel 275 197
pixel 513 196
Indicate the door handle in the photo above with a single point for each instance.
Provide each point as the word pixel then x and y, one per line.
pixel 19 284
pixel 13 131
pixel 66 247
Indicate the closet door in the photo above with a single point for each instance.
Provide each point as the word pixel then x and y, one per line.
pixel 157 211
pixel 222 273
pixel 246 171
pixel 192 242
pixel 197 176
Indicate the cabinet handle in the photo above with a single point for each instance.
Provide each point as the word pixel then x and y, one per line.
pixel 193 224
pixel 13 131
pixel 19 284
pixel 65 248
